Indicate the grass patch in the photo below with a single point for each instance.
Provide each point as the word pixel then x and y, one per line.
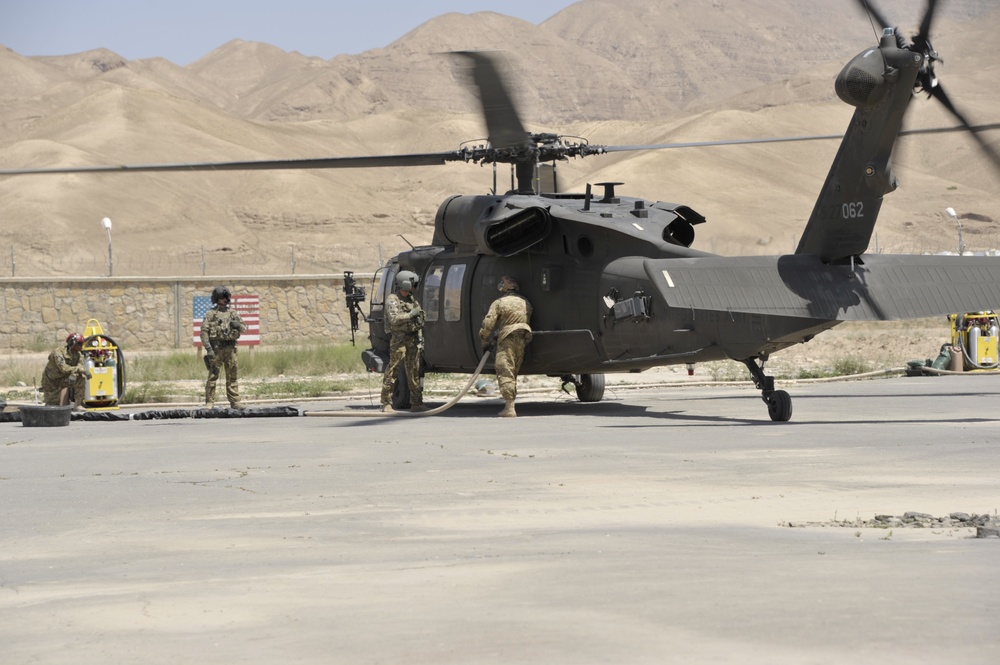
pixel 21 371
pixel 850 365
pixel 313 361
pixel 147 393
pixel 18 396
pixel 152 377
pixel 291 388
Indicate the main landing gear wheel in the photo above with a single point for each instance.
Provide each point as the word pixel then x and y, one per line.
pixel 779 403
pixel 589 387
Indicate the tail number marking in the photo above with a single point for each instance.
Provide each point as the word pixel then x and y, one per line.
pixel 853 210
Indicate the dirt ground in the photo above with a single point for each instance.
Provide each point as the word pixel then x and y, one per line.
pixel 867 346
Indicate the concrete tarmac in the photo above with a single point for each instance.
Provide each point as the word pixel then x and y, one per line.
pixel 657 526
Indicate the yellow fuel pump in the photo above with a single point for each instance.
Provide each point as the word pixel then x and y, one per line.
pixel 977 335
pixel 103 357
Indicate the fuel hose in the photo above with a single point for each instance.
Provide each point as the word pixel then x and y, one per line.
pixel 405 414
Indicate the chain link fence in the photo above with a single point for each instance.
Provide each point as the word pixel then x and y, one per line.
pixel 295 260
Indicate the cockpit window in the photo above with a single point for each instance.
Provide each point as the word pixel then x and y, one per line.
pixel 387 285
pixel 378 293
pixel 453 293
pixel 432 293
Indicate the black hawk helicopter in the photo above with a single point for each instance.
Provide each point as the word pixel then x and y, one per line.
pixel 614 281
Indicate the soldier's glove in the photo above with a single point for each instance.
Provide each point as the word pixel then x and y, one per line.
pixel 415 314
pixel 491 343
pixel 208 363
pixel 235 325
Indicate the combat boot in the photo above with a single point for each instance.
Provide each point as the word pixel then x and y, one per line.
pixel 418 408
pixel 387 408
pixel 508 410
pixel 237 405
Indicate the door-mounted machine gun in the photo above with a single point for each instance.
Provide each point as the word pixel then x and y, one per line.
pixel 354 295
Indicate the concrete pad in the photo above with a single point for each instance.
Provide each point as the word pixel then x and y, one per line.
pixel 652 527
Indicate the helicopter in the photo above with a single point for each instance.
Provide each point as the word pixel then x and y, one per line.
pixel 614 280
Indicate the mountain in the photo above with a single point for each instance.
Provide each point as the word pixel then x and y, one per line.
pixel 623 72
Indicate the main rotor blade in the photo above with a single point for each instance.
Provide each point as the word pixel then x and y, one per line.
pixel 502 120
pixel 790 139
pixel 426 159
pixel 440 158
pixel 939 94
pixel 871 10
pixel 702 144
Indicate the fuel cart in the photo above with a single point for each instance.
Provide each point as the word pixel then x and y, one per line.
pixel 103 357
pixel 975 335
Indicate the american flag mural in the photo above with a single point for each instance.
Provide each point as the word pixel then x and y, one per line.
pixel 248 307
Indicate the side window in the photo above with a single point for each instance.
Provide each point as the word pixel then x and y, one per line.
pixel 453 293
pixel 432 293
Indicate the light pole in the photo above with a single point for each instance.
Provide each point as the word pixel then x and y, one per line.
pixel 961 243
pixel 106 223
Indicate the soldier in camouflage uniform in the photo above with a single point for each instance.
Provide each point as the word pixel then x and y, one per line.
pixel 219 331
pixel 507 326
pixel 63 371
pixel 404 320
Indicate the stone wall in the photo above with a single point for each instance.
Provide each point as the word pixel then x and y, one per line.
pixel 147 313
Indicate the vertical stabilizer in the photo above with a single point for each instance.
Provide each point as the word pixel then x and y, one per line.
pixel 879 83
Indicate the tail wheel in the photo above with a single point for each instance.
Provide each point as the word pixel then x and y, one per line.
pixel 779 406
pixel 590 387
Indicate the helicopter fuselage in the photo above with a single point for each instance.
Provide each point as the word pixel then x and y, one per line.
pixel 583 263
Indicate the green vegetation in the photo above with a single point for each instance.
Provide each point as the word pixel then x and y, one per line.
pixel 281 373
pixel 850 365
pixel 311 370
pixel 845 366
pixel 147 393
pixel 312 360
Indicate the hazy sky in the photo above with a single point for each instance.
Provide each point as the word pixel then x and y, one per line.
pixel 184 30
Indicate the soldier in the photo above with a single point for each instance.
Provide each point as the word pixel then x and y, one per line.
pixel 64 371
pixel 404 320
pixel 219 331
pixel 507 328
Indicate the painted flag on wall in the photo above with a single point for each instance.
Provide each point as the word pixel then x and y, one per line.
pixel 247 306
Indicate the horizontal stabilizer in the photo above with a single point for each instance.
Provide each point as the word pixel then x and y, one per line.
pixel 882 288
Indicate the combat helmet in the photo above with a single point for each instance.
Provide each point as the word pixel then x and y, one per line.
pixel 406 280
pixel 220 293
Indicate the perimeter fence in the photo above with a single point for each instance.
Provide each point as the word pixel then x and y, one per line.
pixel 310 260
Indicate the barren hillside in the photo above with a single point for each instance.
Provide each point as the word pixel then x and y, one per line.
pixel 624 72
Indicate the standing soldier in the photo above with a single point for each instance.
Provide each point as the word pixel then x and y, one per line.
pixel 404 320
pixel 219 331
pixel 507 325
pixel 64 371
